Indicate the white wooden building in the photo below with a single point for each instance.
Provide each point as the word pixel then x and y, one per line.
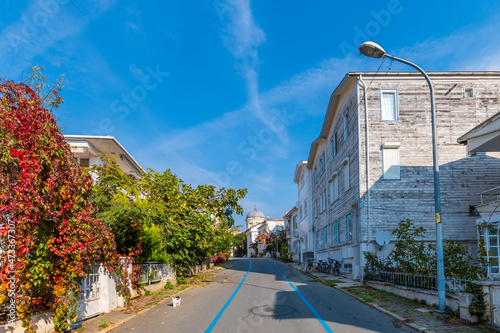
pixel 371 164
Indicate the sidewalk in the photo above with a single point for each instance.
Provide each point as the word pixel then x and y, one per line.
pixel 108 321
pixel 413 314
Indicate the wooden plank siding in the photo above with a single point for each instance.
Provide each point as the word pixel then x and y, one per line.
pixel 463 177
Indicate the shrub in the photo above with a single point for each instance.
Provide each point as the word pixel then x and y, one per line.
pixel 181 280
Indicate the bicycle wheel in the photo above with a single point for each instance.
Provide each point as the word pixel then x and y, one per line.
pixel 336 271
pixel 309 269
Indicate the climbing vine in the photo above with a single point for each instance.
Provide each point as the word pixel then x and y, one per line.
pixel 45 197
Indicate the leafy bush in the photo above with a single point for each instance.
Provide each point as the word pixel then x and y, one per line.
pixel 412 255
pixel 168 285
pixel 181 280
pixel 45 200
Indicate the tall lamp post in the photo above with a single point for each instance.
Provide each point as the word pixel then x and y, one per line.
pixel 374 50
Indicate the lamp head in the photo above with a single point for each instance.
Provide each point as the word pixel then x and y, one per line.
pixel 372 50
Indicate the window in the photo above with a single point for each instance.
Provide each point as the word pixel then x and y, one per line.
pixel 300 212
pixel 324 238
pixel 317 240
pixel 305 208
pixel 335 188
pixel 490 235
pixel 346 124
pixel 390 161
pixel 348 228
pixel 323 201
pixel 321 163
pixel 347 175
pixel 468 92
pixel 333 145
pixel 316 208
pixel 295 222
pixel 84 162
pixel 389 104
pixel 335 232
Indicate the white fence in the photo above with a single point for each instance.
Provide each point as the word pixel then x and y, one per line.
pixel 100 295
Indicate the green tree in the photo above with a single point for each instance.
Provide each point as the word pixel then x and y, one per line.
pixel 194 220
pixel 119 205
pixel 240 244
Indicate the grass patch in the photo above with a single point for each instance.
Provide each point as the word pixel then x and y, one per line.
pixel 104 324
pixel 367 299
pixel 329 283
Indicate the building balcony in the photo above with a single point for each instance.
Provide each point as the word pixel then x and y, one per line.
pixel 489 209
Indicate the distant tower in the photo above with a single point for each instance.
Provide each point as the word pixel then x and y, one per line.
pixel 254 217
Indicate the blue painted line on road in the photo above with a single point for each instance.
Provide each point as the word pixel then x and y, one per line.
pixel 216 319
pixel 316 314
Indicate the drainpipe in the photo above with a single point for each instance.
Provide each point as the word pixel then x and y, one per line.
pixel 367 159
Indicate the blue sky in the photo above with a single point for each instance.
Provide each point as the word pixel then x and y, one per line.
pixel 228 92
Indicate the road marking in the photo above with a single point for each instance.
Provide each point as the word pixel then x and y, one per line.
pixel 216 319
pixel 316 314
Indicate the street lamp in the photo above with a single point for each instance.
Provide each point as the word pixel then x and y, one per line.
pixel 373 50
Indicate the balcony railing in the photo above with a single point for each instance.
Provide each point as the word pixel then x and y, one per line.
pixel 490 195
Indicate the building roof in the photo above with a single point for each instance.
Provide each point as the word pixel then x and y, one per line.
pixel 298 171
pixel 255 213
pixel 109 146
pixel 485 137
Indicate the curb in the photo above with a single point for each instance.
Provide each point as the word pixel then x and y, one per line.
pixel 391 314
pixel 115 325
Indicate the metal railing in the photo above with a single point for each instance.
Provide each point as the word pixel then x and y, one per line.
pixel 428 282
pixel 493 194
pixel 152 272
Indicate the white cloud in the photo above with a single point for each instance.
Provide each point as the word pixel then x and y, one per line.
pixel 40 27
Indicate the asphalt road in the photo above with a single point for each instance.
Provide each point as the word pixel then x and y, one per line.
pixel 259 295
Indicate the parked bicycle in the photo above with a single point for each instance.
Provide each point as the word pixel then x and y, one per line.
pixel 334 266
pixel 312 265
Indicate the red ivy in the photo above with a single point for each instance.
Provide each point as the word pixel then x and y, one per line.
pixel 46 196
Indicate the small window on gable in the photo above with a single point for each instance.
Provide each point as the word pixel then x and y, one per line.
pixel 346 124
pixel 389 104
pixel 468 92
pixel 390 161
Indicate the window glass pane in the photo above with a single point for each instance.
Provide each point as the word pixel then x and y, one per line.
pixel 335 188
pixel 494 251
pixel 389 105
pixel 493 241
pixel 347 177
pixel 346 125
pixel 494 269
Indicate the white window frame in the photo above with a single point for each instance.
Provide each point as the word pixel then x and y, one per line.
pixel 492 243
pixel 391 147
pixel 396 102
pixel 345 123
pixel 347 174
pixel 465 92
pixel 335 187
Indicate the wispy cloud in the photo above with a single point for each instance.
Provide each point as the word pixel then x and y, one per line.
pixel 242 37
pixel 40 27
pixel 470 48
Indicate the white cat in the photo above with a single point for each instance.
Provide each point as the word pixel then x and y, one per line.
pixel 176 301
